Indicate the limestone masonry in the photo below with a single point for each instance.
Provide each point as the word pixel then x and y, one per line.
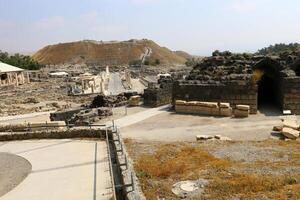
pixel 244 79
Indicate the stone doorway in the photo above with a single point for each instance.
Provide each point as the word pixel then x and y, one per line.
pixel 269 91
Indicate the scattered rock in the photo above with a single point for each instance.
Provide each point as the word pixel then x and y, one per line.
pixel 290 133
pixel 291 123
pixel 204 137
pixel 278 128
pixel 188 189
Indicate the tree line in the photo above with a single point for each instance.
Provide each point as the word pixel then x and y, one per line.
pixel 280 48
pixel 19 60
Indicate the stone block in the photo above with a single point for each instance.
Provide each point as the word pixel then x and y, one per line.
pixel 243 107
pixel 226 112
pixel 224 105
pixel 290 133
pixel 291 123
pixel 204 137
pixel 180 102
pixel 241 113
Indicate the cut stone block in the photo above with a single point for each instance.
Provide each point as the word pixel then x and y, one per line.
pixel 215 111
pixel 180 102
pixel 224 105
pixel 290 133
pixel 241 113
pixel 290 123
pixel 243 107
pixel 134 100
pixel 191 103
pixel 226 112
pixel 208 104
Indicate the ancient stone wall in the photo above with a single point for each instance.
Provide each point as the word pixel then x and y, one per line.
pixel 158 96
pixel 234 93
pixel 291 94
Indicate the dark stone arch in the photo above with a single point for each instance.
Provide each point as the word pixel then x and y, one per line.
pixel 269 83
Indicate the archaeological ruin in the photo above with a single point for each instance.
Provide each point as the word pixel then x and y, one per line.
pixel 10 75
pixel 246 79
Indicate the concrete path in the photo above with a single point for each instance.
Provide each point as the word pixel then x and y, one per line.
pixel 26 117
pixel 62 169
pixel 138 117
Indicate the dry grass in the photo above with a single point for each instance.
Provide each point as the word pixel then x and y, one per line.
pixel 171 163
pixel 177 163
pixel 256 77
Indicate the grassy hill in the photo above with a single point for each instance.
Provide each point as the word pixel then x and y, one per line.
pixel 106 53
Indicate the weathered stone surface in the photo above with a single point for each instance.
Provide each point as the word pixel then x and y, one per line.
pixel 241 113
pixel 243 107
pixel 189 189
pixel 224 105
pixel 134 100
pixel 290 133
pixel 204 137
pixel 291 123
pixel 278 128
pixel 160 95
pixel 226 112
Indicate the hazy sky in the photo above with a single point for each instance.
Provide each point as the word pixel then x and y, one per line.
pixel 195 26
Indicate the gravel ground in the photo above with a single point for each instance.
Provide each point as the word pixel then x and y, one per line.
pixel 14 169
pixel 248 152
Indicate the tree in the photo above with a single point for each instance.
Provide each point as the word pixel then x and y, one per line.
pixel 147 62
pixel 157 62
pixel 278 49
pixel 18 60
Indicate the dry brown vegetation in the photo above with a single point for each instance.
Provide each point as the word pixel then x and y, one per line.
pixel 117 53
pixel 159 166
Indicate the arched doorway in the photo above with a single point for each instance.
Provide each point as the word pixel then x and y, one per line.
pixel 269 91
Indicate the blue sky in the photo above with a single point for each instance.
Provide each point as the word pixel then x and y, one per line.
pixel 195 26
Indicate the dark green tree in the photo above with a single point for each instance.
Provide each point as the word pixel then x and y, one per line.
pixel 18 60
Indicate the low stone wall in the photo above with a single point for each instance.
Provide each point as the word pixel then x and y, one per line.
pixel 73 133
pixel 234 93
pixel 123 166
pixel 203 108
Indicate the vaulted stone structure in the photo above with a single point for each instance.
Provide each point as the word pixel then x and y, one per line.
pixel 244 79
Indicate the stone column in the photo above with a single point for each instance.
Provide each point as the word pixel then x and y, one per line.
pixel 16 77
pixel 28 79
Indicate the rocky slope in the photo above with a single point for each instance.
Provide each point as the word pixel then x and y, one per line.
pixel 106 53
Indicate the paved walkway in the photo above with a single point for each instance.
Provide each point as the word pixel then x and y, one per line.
pixel 169 126
pixel 62 169
pixel 138 117
pixel 25 117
